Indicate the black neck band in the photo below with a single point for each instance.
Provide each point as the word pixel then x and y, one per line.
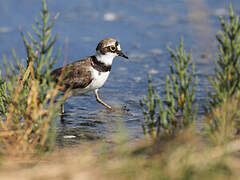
pixel 100 66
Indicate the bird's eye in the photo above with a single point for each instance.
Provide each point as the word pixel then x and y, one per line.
pixel 112 48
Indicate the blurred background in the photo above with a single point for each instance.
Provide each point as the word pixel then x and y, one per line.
pixel 143 28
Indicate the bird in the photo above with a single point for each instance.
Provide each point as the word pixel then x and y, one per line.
pixel 90 73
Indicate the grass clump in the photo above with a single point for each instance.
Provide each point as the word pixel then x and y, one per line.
pixel 176 110
pixel 223 102
pixel 27 125
pixel 27 94
pixel 226 80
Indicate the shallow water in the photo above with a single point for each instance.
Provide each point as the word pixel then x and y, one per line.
pixel 143 28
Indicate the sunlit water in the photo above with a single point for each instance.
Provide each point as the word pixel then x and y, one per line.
pixel 144 28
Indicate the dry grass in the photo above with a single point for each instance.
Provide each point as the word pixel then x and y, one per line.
pixel 27 127
pixel 186 157
pixel 223 122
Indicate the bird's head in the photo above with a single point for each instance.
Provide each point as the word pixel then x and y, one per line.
pixel 107 49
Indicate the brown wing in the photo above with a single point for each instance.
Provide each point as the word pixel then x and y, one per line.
pixel 77 74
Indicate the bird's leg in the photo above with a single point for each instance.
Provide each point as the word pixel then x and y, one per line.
pixel 62 108
pixel 100 101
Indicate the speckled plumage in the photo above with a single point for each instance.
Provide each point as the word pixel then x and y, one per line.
pixel 78 74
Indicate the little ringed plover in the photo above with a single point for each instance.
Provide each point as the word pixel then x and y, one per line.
pixel 90 73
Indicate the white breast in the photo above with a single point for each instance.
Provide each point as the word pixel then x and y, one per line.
pixel 99 78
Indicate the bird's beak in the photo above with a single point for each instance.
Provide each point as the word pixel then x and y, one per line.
pixel 120 53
